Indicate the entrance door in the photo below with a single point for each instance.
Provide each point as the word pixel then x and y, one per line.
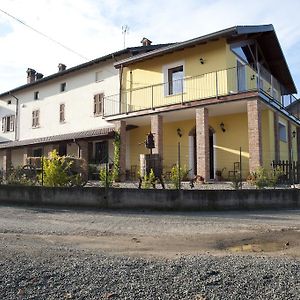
pixel 241 77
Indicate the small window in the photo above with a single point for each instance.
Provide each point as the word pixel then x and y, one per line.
pixel 63 87
pixel 62 113
pixel 98 104
pixel 36 118
pixel 8 123
pixel 37 152
pixel 282 132
pixel 175 80
pixel 99 76
pixel 36 95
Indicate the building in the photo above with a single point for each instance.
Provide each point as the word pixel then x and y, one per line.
pixel 220 96
pixel 63 111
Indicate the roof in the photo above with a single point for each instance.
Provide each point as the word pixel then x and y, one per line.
pixel 102 132
pixel 131 51
pixel 296 102
pixel 264 34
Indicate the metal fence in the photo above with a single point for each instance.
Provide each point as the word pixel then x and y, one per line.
pixel 214 84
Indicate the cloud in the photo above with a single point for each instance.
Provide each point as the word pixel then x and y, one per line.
pixel 93 28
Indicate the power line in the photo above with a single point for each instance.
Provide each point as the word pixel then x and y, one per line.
pixel 44 35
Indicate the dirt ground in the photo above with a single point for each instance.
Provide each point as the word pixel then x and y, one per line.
pixel 153 234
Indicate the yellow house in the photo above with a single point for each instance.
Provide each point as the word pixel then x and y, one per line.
pixel 219 98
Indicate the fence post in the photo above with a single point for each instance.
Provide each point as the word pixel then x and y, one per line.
pixel 241 183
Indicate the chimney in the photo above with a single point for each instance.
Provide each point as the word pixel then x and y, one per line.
pixel 61 67
pixel 38 76
pixel 146 42
pixel 30 75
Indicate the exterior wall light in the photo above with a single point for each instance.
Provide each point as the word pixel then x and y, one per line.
pixel 179 132
pixel 222 126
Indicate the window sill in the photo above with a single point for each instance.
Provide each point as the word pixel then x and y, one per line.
pixel 173 95
pixel 36 127
pixel 98 115
pixel 62 122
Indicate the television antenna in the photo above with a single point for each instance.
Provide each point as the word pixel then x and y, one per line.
pixel 125 30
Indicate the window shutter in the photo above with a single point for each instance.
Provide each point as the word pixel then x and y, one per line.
pixel 37 118
pixel 12 123
pixel 3 124
pixel 33 119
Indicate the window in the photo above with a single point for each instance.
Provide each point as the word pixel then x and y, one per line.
pixel 175 80
pixel 37 152
pixel 8 123
pixel 99 76
pixel 101 152
pixel 62 149
pixel 282 132
pixel 63 86
pixel 36 118
pixel 62 113
pixel 36 95
pixel 98 104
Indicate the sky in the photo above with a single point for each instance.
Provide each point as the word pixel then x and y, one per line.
pixel 93 28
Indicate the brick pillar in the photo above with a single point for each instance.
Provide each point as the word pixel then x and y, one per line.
pixel 84 154
pixel 276 138
pixel 202 142
pixel 254 134
pixel 6 162
pixel 157 130
pixel 120 127
pixel 28 153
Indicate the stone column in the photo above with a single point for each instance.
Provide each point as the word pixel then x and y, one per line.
pixel 157 130
pixel 27 153
pixel 276 138
pixel 120 127
pixel 202 142
pixel 6 162
pixel 254 134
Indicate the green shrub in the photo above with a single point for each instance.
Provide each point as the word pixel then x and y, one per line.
pixel 106 177
pixel 17 176
pixel 175 175
pixel 149 180
pixel 265 178
pixel 56 170
pixel 116 167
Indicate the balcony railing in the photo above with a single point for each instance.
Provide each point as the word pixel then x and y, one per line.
pixel 210 85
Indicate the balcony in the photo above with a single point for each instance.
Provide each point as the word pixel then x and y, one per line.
pixel 210 85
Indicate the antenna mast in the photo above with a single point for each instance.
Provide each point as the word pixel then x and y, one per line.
pixel 125 30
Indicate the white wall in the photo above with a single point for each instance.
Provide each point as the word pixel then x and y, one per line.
pixel 6 110
pixel 81 86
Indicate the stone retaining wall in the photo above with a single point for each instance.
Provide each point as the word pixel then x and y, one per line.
pixel 95 197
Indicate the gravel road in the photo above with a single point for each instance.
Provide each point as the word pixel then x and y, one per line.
pixel 73 254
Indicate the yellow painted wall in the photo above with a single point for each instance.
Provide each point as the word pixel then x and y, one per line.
pixel 226 148
pixel 294 143
pixel 150 72
pixel 284 147
pixel 228 143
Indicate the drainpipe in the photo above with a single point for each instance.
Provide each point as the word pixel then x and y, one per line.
pixel 120 91
pixel 17 116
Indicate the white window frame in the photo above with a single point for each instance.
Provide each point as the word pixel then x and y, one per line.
pixel 285 139
pixel 165 72
pixel 36 95
pixel 62 113
pixel 8 127
pixel 35 118
pixel 63 87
